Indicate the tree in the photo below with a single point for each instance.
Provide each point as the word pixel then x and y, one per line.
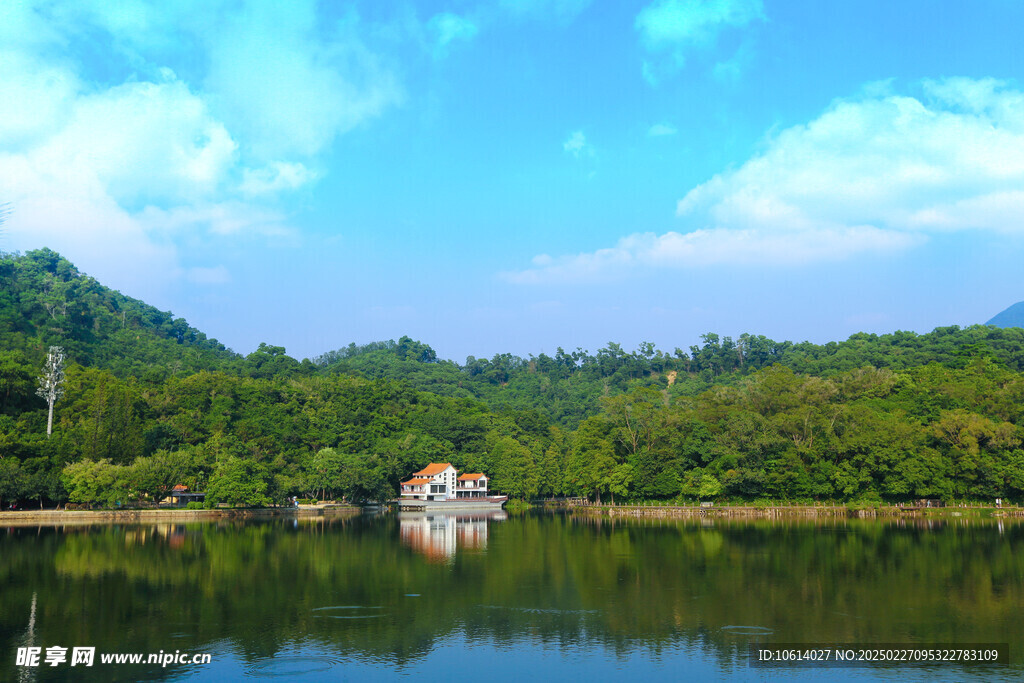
pixel 324 473
pixel 592 456
pixel 157 475
pixel 635 417
pixel 410 349
pixel 700 484
pixel 51 383
pixel 620 478
pixel 363 479
pixel 97 481
pixel 12 479
pixel 15 383
pixel 271 361
pixel 238 483
pixel 515 471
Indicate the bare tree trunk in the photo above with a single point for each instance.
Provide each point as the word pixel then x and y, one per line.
pixel 51 383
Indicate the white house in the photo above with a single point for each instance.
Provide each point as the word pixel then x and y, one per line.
pixel 436 481
pixel 471 486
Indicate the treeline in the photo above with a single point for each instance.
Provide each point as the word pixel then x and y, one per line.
pixel 245 440
pixel 151 403
pixel 566 387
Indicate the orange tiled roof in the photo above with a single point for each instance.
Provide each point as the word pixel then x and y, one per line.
pixel 415 481
pixel 180 487
pixel 432 469
pixel 469 477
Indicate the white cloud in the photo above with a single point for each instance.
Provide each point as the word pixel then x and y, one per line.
pixel 703 248
pixel 448 28
pixel 142 142
pixel 197 117
pixel 661 130
pixel 670 23
pixel 677 27
pixel 287 90
pixel 439 34
pixel 77 184
pixel 874 174
pixel 108 242
pixel 730 70
pixel 35 96
pixel 576 145
pixel 894 161
pixel 222 218
pixel 275 177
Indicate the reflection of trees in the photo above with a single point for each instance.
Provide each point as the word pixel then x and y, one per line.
pixel 553 580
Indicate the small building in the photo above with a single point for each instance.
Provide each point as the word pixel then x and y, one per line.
pixel 471 486
pixel 436 481
pixel 415 488
pixel 180 496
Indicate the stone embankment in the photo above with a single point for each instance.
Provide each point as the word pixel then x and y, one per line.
pixel 785 511
pixel 157 515
pixel 682 511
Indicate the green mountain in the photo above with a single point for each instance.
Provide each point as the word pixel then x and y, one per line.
pixel 150 402
pixel 45 300
pixel 1011 317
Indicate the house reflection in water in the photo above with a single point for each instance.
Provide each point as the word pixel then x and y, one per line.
pixel 173 535
pixel 439 536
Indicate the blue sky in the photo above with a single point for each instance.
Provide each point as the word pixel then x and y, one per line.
pixel 511 176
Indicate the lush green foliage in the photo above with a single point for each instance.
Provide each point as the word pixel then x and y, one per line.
pixel 150 403
pixel 44 300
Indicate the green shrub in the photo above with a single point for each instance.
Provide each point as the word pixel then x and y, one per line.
pixel 517 506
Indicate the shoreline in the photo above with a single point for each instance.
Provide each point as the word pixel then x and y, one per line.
pixel 50 517
pixel 789 511
pixel 148 516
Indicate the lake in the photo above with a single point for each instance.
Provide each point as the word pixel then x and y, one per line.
pixel 537 596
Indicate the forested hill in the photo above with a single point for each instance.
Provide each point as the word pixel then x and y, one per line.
pixel 567 387
pixel 150 402
pixel 45 300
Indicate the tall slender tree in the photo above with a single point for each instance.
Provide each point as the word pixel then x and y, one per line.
pixel 51 383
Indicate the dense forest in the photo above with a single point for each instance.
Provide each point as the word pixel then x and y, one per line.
pixel 149 402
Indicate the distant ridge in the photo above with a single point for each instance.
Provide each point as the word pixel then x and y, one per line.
pixel 1011 317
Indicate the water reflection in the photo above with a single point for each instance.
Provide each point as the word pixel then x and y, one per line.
pixel 396 593
pixel 438 536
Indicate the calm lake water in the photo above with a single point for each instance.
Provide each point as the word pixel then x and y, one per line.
pixel 538 597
